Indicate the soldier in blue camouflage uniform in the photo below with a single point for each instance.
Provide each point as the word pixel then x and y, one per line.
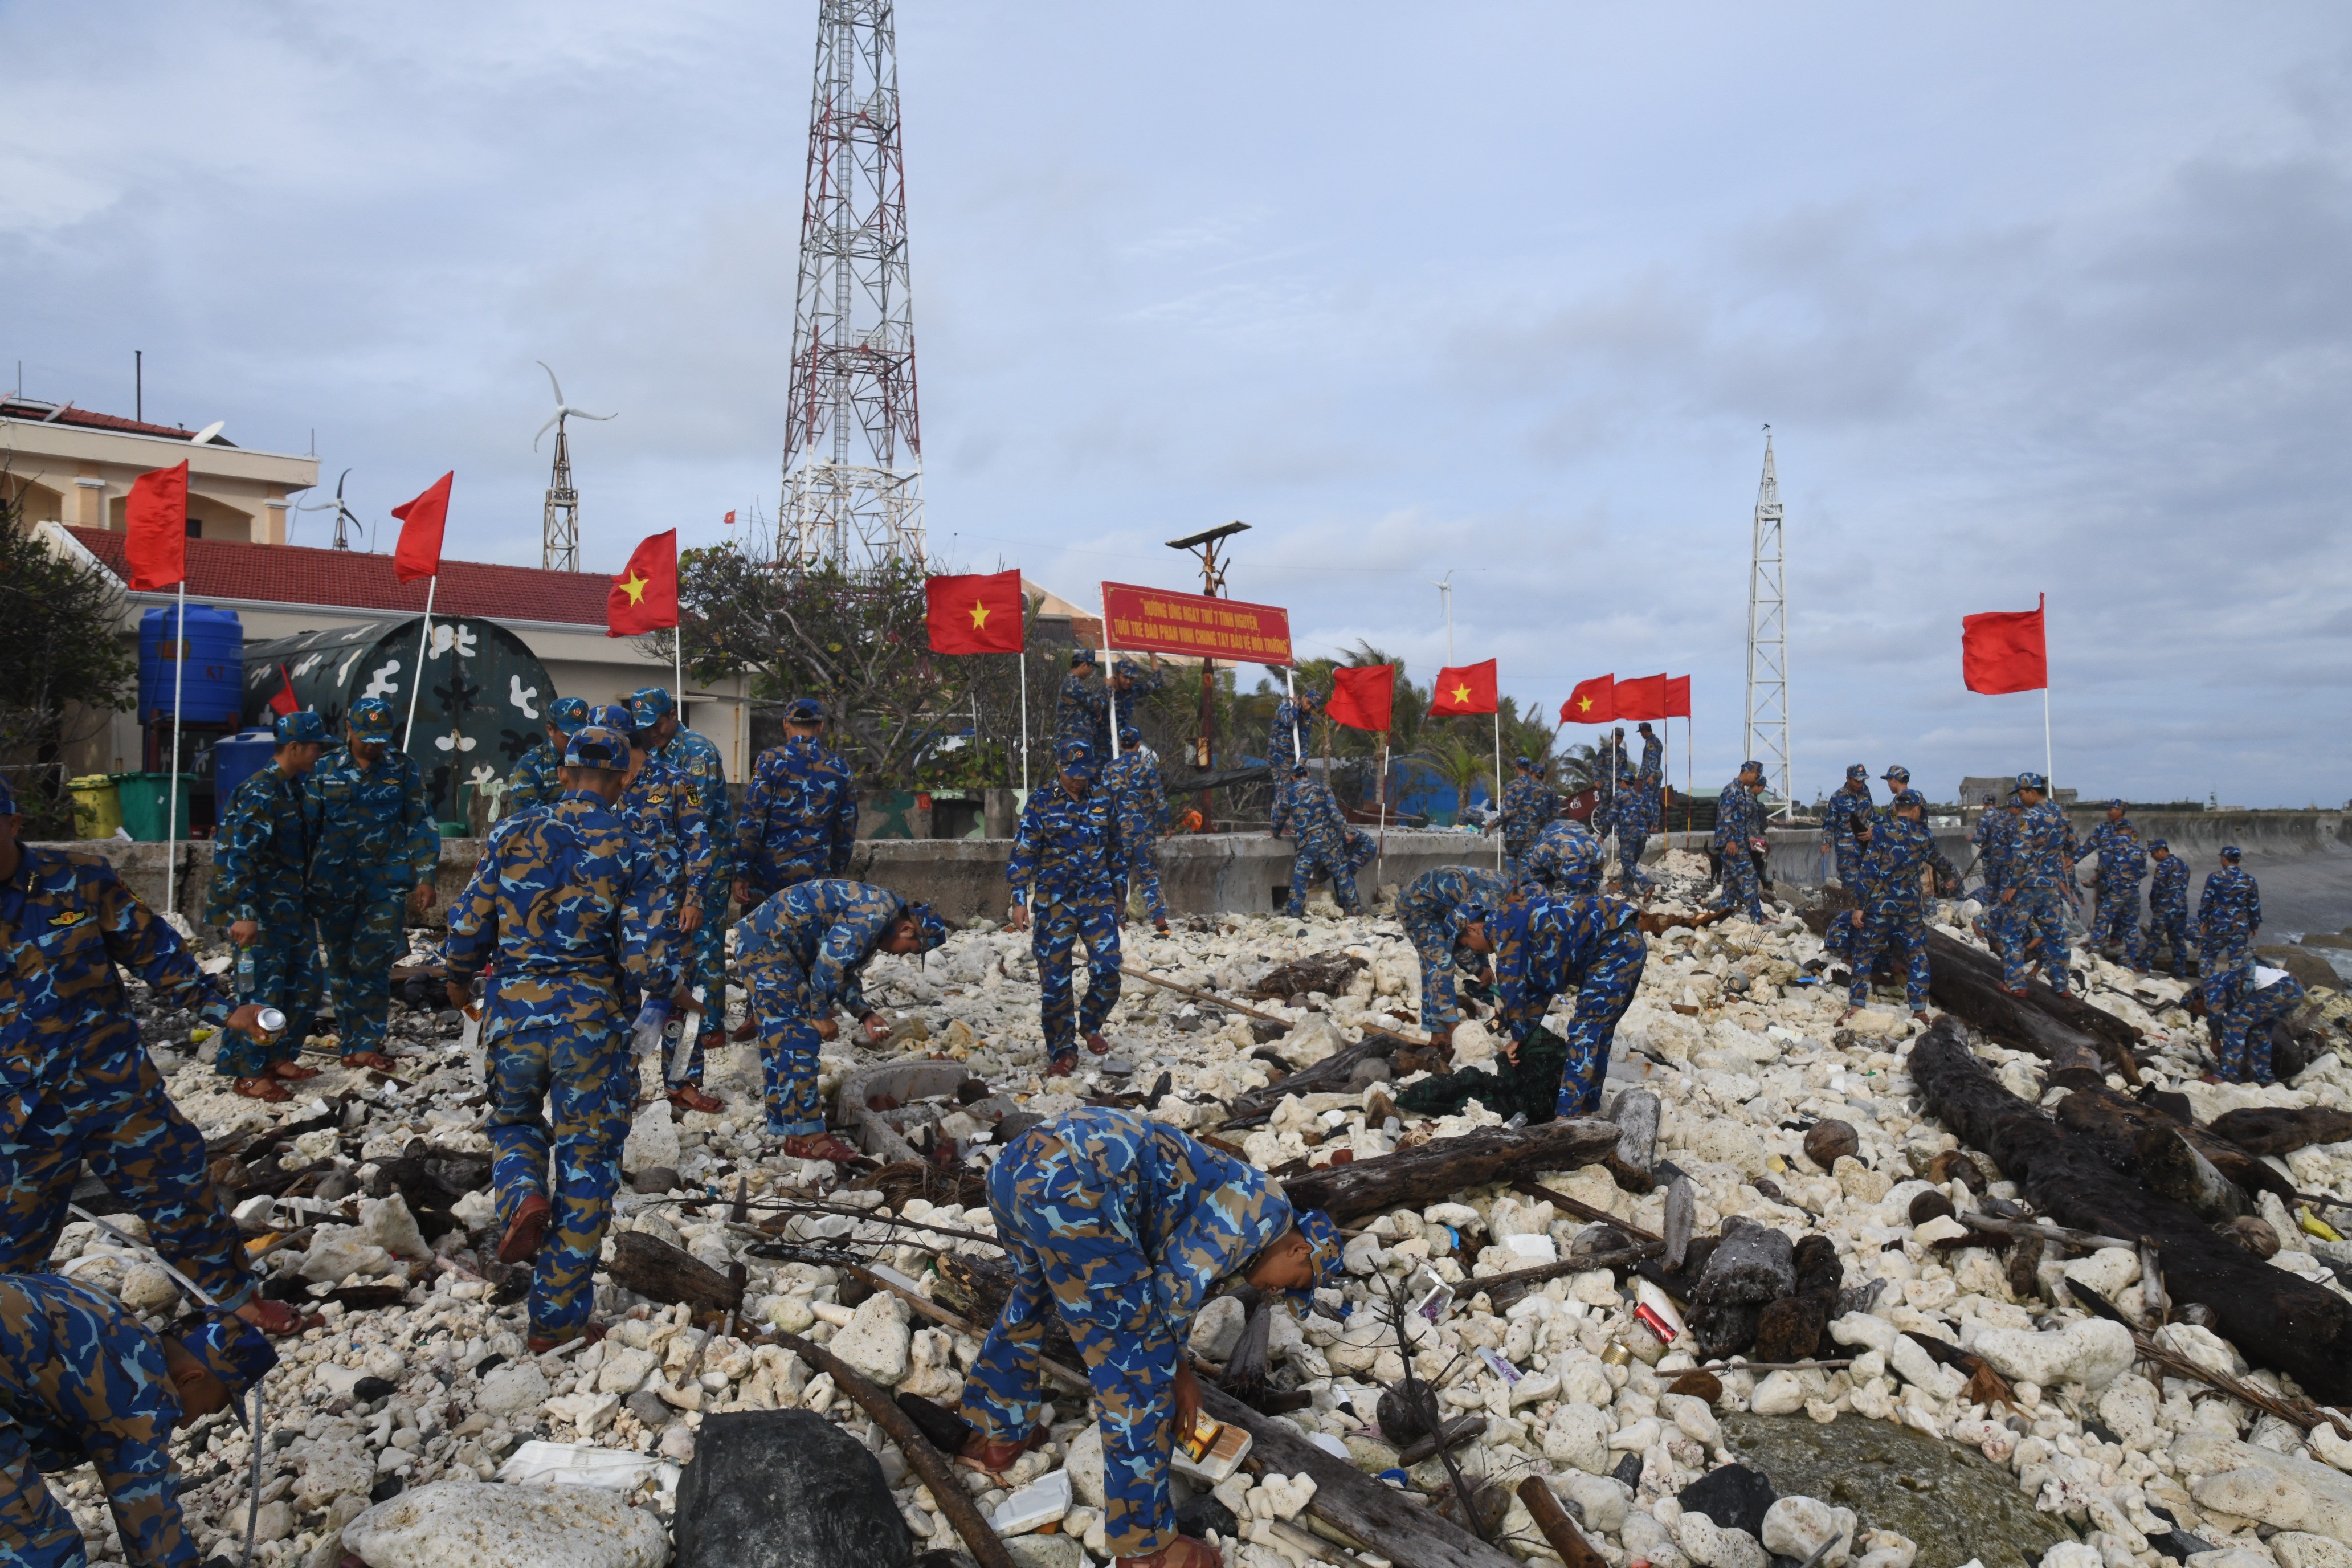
pixel 532 783
pixel 1125 1226
pixel 1325 847
pixel 2229 912
pixel 569 903
pixel 1738 829
pixel 800 812
pixel 2168 909
pixel 663 811
pixel 1893 915
pixel 83 1381
pixel 1544 943
pixel 375 849
pixel 1565 858
pixel 260 892
pixel 2040 864
pixel 1529 805
pixel 2244 1034
pixel 2122 862
pixel 1083 711
pixel 1068 857
pixel 1849 806
pixel 653 714
pixel 1294 716
pixel 1996 841
pixel 1639 811
pixel 801 954
pixel 1431 913
pixel 75 1083
pixel 1133 785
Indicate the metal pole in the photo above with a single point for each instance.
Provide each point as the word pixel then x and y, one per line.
pixel 1380 797
pixel 1110 682
pixel 2046 754
pixel 1297 747
pixel 677 646
pixel 1024 722
pixel 1499 786
pixel 424 641
pixel 172 811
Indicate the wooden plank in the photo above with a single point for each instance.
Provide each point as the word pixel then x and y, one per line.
pixel 1435 1172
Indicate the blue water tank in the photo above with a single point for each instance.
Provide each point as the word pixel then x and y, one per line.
pixel 211 689
pixel 237 758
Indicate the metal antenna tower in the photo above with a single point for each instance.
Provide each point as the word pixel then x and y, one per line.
pixel 559 529
pixel 853 490
pixel 1766 737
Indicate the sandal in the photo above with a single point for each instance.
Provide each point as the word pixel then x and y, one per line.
pixel 276 1319
pixel 525 1233
pixel 291 1071
pixel 1183 1551
pixel 375 1060
pixel 995 1455
pixel 539 1345
pixel 1097 1045
pixel 261 1089
pixel 689 1097
pixel 1063 1066
pixel 821 1146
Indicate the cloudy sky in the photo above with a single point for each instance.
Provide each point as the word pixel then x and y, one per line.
pixel 2035 300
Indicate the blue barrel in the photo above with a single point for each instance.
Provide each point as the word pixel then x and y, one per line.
pixel 237 758
pixel 212 687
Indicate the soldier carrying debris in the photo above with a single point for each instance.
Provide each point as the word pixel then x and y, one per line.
pixel 2229 912
pixel 1326 848
pixel 567 899
pixel 261 885
pixel 800 954
pixel 373 847
pixel 1431 913
pixel 1126 1226
pixel 78 1084
pixel 1068 853
pixel 1546 944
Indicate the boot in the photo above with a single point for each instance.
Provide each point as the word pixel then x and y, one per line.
pixel 525 1232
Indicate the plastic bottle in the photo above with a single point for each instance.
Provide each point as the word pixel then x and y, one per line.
pixel 1658 1322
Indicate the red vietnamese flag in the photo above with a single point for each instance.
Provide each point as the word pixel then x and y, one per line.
pixel 1469 690
pixel 421 521
pixel 644 597
pixel 285 701
pixel 2005 650
pixel 980 614
pixel 1364 695
pixel 156 519
pixel 1594 702
pixel 1679 697
pixel 1641 699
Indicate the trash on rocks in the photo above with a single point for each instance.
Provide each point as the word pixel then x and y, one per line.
pixel 581 1464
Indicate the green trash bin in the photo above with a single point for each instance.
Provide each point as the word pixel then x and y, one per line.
pixel 146 798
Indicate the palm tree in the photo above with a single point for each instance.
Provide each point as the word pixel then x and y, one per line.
pixel 1459 762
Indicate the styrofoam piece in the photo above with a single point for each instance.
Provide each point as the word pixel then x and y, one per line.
pixel 585 1465
pixel 1040 1503
pixel 1532 1249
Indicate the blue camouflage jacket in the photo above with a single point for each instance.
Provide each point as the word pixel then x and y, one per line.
pixel 2229 909
pixel 2122 858
pixel 1900 849
pixel 68 920
pixel 533 782
pixel 827 929
pixel 699 761
pixel 569 901
pixel 261 852
pixel 1134 784
pixel 1083 713
pixel 1738 817
pixel 370 826
pixel 1838 818
pixel 1065 848
pixel 2044 854
pixel 1314 817
pixel 1281 751
pixel 1996 840
pixel 1192 1213
pixel 661 809
pixel 82 1382
pixel 1427 907
pixel 1565 854
pixel 1543 944
pixel 1653 766
pixel 2167 890
pixel 799 815
pixel 1528 803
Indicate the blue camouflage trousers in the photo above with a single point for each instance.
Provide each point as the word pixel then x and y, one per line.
pixel 1637 818
pixel 1889 929
pixel 1740 887
pixel 1143 873
pixel 285 975
pixel 115 1113
pixel 2034 916
pixel 1434 944
pixel 2170 929
pixel 1055 932
pixel 1319 857
pixel 788 1042
pixel 2115 918
pixel 1603 996
pixel 2242 1030
pixel 583 1070
pixel 708 971
pixel 1065 1248
pixel 363 937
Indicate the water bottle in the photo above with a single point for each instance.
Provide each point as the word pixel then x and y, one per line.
pixel 244 971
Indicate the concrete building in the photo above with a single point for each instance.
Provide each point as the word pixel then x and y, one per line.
pixel 68 466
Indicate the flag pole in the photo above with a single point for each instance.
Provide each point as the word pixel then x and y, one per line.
pixel 1110 678
pixel 1024 717
pixel 424 641
pixel 172 811
pixel 1380 797
pixel 1297 747
pixel 2047 755
pixel 1498 787
pixel 677 646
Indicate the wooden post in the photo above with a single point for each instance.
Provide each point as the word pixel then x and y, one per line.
pixel 1557 1527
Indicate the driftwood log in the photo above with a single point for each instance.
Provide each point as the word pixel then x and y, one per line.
pixel 661 1272
pixel 1435 1172
pixel 2276 1129
pixel 2275 1319
pixel 1968 983
pixel 2133 1136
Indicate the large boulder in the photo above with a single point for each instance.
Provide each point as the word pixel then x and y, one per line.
pixel 785 1488
pixel 473 1524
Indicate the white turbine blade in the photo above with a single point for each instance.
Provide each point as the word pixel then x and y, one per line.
pixel 583 413
pixel 552 381
pixel 552 421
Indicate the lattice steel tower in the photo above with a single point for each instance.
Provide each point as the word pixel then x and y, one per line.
pixel 853 449
pixel 1766 737
pixel 559 527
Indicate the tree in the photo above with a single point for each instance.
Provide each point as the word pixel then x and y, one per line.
pixel 67 667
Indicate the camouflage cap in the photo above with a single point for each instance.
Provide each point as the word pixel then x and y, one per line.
pixel 2034 782
pixel 303 727
pixel 1076 758
pixel 612 716
pixel 2115 806
pixel 1321 1235
pixel 567 713
pixel 1896 774
pixel 934 929
pixel 371 720
pixel 1751 766
pixel 2154 843
pixel 1858 772
pixel 648 705
pixel 2228 852
pixel 1521 763
pixel 1910 798
pixel 597 746
pixel 1128 734
pixel 1082 656
pixel 805 711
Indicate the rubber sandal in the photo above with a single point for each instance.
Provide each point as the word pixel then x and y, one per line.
pixel 1063 1066
pixel 539 1345
pixel 820 1146
pixel 1097 1045
pixel 291 1072
pixel 689 1097
pixel 266 1088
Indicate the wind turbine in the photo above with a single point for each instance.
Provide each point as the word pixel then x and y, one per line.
pixel 560 528
pixel 343 518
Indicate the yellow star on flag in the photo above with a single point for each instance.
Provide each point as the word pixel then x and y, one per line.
pixel 979 615
pixel 1584 704
pixel 634 587
pixel 1461 693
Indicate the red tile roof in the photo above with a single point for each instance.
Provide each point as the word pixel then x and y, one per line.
pixel 352 579
pixel 41 412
